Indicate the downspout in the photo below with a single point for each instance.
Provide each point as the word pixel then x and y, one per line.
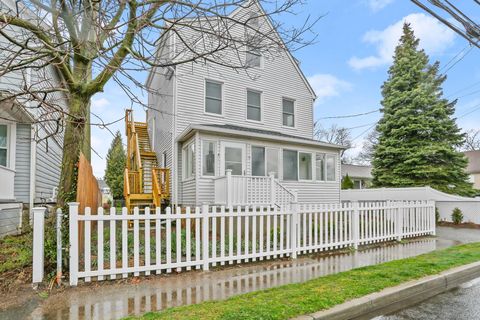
pixel 33 166
pixel 174 143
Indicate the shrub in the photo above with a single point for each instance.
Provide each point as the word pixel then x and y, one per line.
pixel 347 183
pixel 457 216
pixel 437 215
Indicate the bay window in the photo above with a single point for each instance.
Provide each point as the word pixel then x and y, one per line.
pixel 208 158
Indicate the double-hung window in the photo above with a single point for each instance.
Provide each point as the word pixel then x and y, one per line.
pixel 189 159
pixel 208 161
pixel 254 105
pixel 288 109
pixel 3 145
pixel 213 97
pixel 325 166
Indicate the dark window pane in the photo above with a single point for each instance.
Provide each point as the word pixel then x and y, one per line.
pixel 258 161
pixel 290 165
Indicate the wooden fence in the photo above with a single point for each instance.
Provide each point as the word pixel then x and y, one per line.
pixel 88 192
pixel 209 236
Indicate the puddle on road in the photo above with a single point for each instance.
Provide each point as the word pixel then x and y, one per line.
pixel 114 301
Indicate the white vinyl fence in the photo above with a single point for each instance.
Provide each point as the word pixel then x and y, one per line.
pixel 118 245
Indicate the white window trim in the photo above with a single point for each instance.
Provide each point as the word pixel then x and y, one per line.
pixel 311 166
pixel 222 105
pixel 335 156
pixel 215 169
pixel 261 106
pixel 184 162
pixel 294 113
pixel 260 55
pixel 11 144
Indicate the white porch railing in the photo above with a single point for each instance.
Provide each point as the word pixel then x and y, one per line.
pixel 233 190
pixel 210 236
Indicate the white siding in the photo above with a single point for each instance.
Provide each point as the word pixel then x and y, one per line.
pixel 308 191
pixel 10 218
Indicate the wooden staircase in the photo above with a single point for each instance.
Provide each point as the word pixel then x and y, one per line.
pixel 145 184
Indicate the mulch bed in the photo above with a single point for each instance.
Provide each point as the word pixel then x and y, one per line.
pixel 465 225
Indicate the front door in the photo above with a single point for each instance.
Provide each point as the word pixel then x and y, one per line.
pixel 233 157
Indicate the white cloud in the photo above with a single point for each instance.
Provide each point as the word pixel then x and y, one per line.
pixel 99 104
pixel 434 38
pixel 327 85
pixel 377 5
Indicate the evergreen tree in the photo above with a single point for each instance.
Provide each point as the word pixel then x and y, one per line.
pixel 115 167
pixel 418 136
pixel 347 183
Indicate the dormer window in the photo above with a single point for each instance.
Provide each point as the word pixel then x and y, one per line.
pixel 253 58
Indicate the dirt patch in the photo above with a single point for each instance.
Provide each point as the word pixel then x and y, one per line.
pixel 465 225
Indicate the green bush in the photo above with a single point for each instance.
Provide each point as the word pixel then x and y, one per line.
pixel 437 215
pixel 457 216
pixel 347 183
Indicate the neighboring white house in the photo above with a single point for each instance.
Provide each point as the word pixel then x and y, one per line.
pixel 29 161
pixel 207 121
pixel 360 175
pixel 473 168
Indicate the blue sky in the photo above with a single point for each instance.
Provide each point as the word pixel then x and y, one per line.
pixel 347 65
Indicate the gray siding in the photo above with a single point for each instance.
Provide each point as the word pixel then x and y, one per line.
pixel 22 163
pixel 9 218
pixel 49 163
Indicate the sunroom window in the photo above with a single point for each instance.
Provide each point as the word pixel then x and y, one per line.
pixel 3 145
pixel 258 161
pixel 290 165
pixel 189 156
pixel 305 165
pixel 209 158
pixel 331 172
pixel 326 167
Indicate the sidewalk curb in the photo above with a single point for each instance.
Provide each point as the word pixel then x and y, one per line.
pixel 399 297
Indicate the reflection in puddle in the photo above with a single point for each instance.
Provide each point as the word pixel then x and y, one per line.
pixel 119 300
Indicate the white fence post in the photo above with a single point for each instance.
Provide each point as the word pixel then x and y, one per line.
pixel 59 246
pixel 399 219
pixel 205 240
pixel 271 175
pixel 73 239
pixel 294 228
pixel 355 224
pixel 229 192
pixel 38 244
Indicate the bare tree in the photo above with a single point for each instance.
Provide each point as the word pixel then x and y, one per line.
pixel 89 43
pixel 472 140
pixel 366 154
pixel 334 134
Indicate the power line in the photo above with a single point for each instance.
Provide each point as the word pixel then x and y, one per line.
pixel 350 115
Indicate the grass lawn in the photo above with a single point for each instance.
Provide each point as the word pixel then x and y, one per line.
pixel 322 293
pixel 15 260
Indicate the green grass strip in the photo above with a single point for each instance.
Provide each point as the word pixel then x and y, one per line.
pixel 325 292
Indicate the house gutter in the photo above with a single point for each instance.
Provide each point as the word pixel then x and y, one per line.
pixel 33 166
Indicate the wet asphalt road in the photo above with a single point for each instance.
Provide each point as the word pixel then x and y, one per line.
pixel 462 303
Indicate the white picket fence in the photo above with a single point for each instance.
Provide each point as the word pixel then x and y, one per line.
pixel 119 245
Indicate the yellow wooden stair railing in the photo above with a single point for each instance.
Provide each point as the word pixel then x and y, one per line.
pixel 145 184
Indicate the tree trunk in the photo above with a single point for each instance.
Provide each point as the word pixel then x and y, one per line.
pixel 72 146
